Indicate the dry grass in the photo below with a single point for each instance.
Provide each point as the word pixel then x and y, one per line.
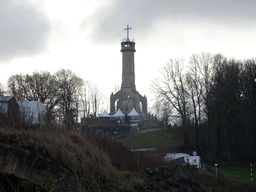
pixel 89 158
pixel 98 162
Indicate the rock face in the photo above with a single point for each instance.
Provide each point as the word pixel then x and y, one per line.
pixel 162 179
pixel 51 176
pixel 41 171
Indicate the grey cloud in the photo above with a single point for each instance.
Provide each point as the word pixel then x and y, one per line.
pixel 23 29
pixel 109 22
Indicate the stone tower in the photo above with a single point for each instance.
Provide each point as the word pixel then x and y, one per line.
pixel 128 98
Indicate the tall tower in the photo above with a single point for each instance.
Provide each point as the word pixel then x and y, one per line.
pixel 128 49
pixel 128 98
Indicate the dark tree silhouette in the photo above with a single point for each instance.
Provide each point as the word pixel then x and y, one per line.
pixel 215 101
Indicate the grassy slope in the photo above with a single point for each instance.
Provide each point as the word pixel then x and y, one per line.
pixel 156 139
pixel 173 139
pixel 81 154
pixel 87 157
pixel 238 172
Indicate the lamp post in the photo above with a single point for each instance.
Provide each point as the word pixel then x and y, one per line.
pixel 251 172
pixel 216 169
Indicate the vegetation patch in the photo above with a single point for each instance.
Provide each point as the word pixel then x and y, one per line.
pixel 238 171
pixel 157 139
pixel 102 164
pixel 90 158
pixel 204 172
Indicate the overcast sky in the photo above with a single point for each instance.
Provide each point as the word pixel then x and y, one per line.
pixel 84 35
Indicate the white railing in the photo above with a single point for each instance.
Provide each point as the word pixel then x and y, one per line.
pixel 129 40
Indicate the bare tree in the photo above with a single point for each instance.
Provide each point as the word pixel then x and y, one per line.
pixel 2 89
pixel 197 80
pixel 171 86
pixel 96 97
pixel 40 86
pixel 69 85
pixel 91 100
pixel 215 103
pixel 84 100
pixel 248 94
pixel 116 88
pixel 18 86
pixel 56 91
pixel 164 111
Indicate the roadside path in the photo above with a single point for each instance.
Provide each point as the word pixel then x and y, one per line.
pixel 146 131
pixel 139 132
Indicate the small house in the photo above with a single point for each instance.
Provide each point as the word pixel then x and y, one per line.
pixel 9 110
pixel 183 159
pixel 32 112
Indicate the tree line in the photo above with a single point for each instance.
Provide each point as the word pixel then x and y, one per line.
pixel 66 95
pixel 213 100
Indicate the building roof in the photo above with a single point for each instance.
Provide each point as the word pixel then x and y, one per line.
pixel 35 106
pixel 133 113
pixel 104 114
pixel 119 113
pixel 33 111
pixel 5 98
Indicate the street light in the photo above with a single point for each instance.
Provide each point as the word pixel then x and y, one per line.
pixel 216 169
pixel 251 172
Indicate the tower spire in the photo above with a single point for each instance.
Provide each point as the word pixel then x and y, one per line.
pixel 128 32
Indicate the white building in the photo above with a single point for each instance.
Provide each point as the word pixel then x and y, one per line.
pixel 33 112
pixel 183 158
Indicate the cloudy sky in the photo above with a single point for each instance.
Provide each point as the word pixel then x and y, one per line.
pixel 84 35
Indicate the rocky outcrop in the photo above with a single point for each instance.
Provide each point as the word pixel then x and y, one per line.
pixel 37 169
pixel 162 179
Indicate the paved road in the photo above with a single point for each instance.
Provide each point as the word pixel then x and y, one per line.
pixel 139 132
pixel 147 130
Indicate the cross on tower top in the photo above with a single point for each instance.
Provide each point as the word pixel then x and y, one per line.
pixel 128 32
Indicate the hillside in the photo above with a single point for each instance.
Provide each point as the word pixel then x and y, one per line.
pixel 161 139
pixel 99 163
pixel 88 157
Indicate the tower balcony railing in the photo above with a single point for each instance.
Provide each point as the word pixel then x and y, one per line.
pixel 129 40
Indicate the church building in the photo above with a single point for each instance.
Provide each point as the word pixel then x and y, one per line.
pixel 128 98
